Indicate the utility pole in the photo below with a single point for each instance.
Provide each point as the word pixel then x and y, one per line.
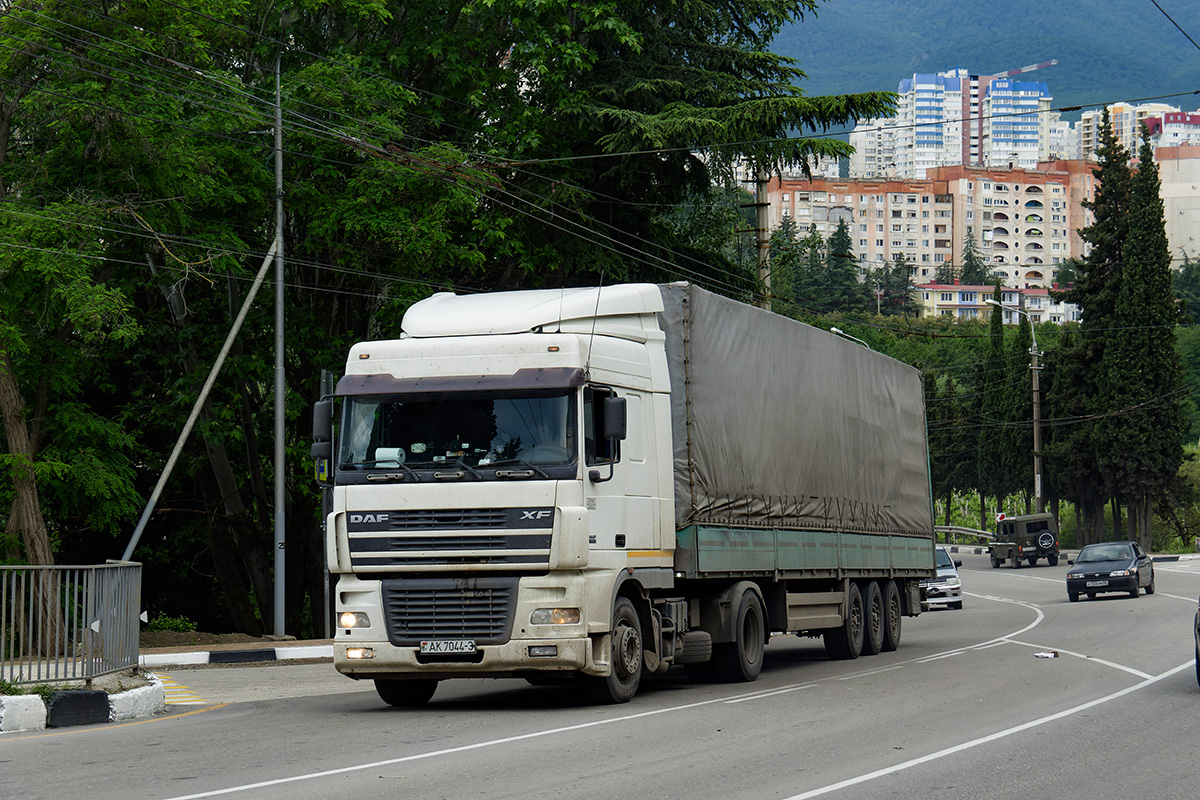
pixel 762 235
pixel 280 462
pixel 1036 367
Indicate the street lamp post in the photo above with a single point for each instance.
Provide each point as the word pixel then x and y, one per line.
pixel 1039 502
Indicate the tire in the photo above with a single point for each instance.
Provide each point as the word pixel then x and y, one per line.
pixel 893 613
pixel 1091 595
pixel 846 641
pixel 995 561
pixel 1150 586
pixel 625 657
pixel 1032 560
pixel 1073 597
pixel 1016 560
pixel 957 606
pixel 873 620
pixel 1198 665
pixel 1052 560
pixel 1135 591
pixel 405 694
pixel 741 661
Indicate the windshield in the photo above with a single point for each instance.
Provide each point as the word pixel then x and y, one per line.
pixel 531 429
pixel 1104 552
pixel 943 559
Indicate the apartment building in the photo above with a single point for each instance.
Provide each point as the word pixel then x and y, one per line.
pixel 1126 122
pixel 971 302
pixel 954 117
pixel 1179 172
pixel 1024 221
pixel 1174 128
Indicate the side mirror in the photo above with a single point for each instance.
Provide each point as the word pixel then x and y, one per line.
pixel 321 450
pixel 616 419
pixel 323 421
pixel 1071 561
pixel 958 562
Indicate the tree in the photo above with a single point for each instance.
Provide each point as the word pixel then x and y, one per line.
pixel 503 145
pixel 894 287
pixel 843 290
pixel 975 271
pixel 991 381
pixel 1097 285
pixel 1185 283
pixel 1140 444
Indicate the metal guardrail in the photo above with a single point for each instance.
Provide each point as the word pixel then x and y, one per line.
pixel 958 530
pixel 68 623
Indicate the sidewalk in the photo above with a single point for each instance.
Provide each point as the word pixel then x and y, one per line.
pixel 241 653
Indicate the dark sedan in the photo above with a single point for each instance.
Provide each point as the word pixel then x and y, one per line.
pixel 1110 567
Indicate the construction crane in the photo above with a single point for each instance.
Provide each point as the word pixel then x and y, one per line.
pixel 1029 68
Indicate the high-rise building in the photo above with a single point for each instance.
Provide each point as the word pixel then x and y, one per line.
pixel 1126 123
pixel 953 117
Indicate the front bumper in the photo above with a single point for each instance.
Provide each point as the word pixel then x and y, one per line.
pixel 937 595
pixel 511 659
pixel 1102 584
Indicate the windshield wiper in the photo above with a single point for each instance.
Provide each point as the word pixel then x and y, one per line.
pixel 528 472
pixel 388 476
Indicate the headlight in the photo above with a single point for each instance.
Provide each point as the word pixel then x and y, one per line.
pixel 554 616
pixel 354 619
pixel 1121 573
pixel 953 583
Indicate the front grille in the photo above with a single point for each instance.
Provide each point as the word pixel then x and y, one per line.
pixel 443 518
pixel 477 608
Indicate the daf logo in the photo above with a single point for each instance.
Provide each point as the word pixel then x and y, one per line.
pixel 535 514
pixel 368 517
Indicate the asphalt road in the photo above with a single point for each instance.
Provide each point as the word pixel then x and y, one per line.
pixel 966 708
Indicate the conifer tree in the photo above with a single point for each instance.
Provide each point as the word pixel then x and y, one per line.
pixel 1140 444
pixel 1097 284
pixel 975 271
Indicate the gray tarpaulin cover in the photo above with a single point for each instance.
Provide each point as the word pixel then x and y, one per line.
pixel 779 424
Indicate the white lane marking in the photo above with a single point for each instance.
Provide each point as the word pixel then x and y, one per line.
pixel 1060 651
pixel 940 657
pixel 1178 597
pixel 565 729
pixel 868 673
pixel 761 695
pixel 958 748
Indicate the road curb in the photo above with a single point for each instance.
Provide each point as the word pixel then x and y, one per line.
pixel 250 655
pixel 28 712
pixel 983 551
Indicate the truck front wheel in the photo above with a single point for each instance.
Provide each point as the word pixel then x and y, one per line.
pixel 846 642
pixel 625 656
pixel 405 694
pixel 740 661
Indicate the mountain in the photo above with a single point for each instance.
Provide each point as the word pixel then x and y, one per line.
pixel 1108 51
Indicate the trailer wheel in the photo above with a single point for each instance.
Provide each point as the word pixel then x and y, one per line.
pixel 893 612
pixel 621 683
pixel 873 611
pixel 405 694
pixel 740 661
pixel 846 641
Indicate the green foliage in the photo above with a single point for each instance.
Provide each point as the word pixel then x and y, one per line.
pixel 161 622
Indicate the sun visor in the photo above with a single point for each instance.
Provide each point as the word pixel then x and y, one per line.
pixel 540 378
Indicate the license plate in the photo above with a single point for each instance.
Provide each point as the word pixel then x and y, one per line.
pixel 448 646
pixel 1097 583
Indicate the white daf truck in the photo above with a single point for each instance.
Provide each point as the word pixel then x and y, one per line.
pixel 592 485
